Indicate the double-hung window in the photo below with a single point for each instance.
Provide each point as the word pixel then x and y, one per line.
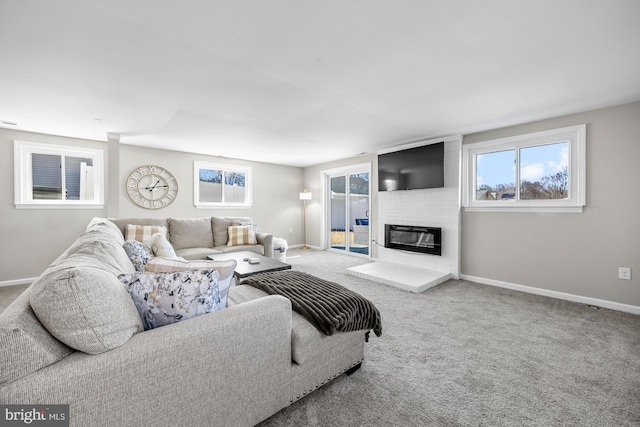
pixel 55 176
pixel 537 172
pixel 218 185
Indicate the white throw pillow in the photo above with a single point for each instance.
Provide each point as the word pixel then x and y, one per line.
pixel 160 246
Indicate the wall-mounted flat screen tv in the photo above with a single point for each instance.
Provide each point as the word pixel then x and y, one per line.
pixel 412 169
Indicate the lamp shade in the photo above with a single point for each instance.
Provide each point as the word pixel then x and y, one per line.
pixel 305 196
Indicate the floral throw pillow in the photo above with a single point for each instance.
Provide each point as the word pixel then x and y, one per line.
pixel 137 253
pixel 225 269
pixel 165 298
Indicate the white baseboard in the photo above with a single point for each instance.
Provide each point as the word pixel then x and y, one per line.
pixel 17 282
pixel 555 294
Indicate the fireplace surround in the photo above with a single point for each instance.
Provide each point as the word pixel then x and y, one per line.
pixel 427 240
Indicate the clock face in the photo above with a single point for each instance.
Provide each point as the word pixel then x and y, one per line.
pixel 152 187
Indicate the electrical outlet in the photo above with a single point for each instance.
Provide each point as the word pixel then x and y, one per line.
pixel 290 230
pixel 624 273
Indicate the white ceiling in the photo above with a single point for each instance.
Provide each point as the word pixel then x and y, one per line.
pixel 301 82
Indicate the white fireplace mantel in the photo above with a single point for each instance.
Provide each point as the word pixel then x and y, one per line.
pixel 433 207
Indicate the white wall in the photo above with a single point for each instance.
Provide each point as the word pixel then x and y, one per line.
pixel 276 206
pixel 577 254
pixel 431 207
pixel 33 238
pixel 438 207
pixel 572 253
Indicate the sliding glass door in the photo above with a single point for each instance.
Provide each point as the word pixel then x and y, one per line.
pixel 348 211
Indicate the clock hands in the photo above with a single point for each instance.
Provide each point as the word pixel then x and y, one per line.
pixel 156 186
pixel 153 187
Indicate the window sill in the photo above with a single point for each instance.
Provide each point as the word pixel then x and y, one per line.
pixel 529 209
pixel 56 206
pixel 201 206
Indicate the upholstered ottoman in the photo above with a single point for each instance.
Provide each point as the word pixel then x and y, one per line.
pixel 314 352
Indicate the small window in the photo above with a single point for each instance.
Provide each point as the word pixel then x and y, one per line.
pixel 541 172
pixel 57 176
pixel 219 185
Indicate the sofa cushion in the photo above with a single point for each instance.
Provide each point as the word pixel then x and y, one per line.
pixel 144 233
pixel 191 232
pixel 169 297
pixel 160 246
pixel 137 253
pixel 107 227
pixel 243 293
pixel 221 226
pixel 25 345
pixel 224 268
pixel 197 253
pixel 304 336
pixel 259 249
pixel 86 308
pixel 241 235
pixel 95 249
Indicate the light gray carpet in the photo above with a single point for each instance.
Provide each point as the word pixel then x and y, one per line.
pixel 464 354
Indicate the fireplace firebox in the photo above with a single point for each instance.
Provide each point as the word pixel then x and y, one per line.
pixel 427 240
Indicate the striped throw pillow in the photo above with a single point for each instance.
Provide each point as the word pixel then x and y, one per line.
pixel 242 235
pixel 144 233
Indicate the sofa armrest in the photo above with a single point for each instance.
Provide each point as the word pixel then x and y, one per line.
pixel 230 367
pixel 266 240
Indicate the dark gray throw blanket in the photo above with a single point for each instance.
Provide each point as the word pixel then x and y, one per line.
pixel 327 305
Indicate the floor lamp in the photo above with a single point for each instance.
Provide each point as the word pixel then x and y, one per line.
pixel 304 196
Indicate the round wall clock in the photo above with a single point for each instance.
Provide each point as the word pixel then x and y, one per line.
pixel 152 187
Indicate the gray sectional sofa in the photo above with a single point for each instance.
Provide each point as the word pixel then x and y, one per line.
pixel 74 337
pixel 195 238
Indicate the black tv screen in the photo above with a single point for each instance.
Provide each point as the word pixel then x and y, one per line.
pixel 412 169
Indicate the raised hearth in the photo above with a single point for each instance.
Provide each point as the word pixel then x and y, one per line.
pixel 407 277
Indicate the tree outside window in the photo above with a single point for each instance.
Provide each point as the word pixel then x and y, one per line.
pixel 544 172
pixel 222 185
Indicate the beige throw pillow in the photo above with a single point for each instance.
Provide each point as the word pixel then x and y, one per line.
pixel 242 235
pixel 144 233
pixel 221 226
